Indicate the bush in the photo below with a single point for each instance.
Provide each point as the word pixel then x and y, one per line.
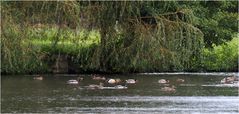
pixel 18 55
pixel 221 58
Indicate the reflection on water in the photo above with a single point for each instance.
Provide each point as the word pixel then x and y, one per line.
pixel 198 94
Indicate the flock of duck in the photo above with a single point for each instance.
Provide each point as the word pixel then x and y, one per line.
pixel 167 87
pixel 117 82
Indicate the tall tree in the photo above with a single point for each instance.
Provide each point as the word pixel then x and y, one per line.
pixel 135 36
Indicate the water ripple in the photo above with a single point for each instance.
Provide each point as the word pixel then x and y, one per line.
pixel 193 73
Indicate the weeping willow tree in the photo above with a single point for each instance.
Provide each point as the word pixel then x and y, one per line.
pixel 136 39
pixel 134 36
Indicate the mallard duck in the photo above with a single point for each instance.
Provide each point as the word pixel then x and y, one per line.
pixel 114 81
pixel 120 87
pixel 131 81
pixel 179 80
pixel 229 80
pixel 38 78
pixel 94 86
pixel 72 82
pixel 169 89
pixel 163 81
pixel 95 77
pixel 118 80
pixel 111 81
pixel 80 78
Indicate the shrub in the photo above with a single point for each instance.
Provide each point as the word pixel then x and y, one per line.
pixel 221 58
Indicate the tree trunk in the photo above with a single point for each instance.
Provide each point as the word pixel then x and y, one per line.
pixel 103 51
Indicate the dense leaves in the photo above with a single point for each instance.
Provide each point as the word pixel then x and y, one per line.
pixel 222 58
pixel 218 21
pixel 129 36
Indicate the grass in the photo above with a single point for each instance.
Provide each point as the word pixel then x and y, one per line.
pixel 67 41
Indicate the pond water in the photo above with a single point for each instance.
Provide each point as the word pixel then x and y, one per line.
pixel 200 93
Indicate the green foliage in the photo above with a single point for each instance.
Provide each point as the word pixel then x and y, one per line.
pixel 221 58
pixel 122 36
pixel 148 41
pixel 17 57
pixel 68 42
pixel 218 20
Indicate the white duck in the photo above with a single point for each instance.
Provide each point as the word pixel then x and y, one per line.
pixel 74 82
pixel 131 81
pixel 113 81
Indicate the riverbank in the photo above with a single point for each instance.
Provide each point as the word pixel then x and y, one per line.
pixel 81 52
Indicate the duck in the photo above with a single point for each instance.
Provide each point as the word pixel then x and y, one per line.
pixel 38 78
pixel 120 87
pixel 74 82
pixel 179 80
pixel 113 81
pixel 169 89
pixel 229 80
pixel 94 86
pixel 118 80
pixel 95 77
pixel 163 81
pixel 80 78
pixel 131 81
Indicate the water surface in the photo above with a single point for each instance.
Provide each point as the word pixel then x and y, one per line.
pixel 200 93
